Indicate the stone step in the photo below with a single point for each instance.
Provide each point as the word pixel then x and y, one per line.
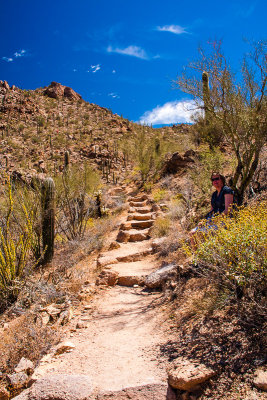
pixel 139 217
pixel 147 391
pixel 138 203
pixel 138 198
pixel 128 252
pixel 142 224
pixel 133 235
pixel 131 280
pixel 142 210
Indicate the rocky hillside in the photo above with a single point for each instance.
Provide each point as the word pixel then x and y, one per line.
pixel 38 126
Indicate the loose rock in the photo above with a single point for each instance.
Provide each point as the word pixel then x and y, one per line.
pixel 185 375
pixel 25 365
pixel 260 380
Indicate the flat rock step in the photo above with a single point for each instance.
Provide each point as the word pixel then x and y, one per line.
pixel 138 203
pixel 142 210
pixel 142 224
pixel 136 268
pixel 133 235
pixel 127 252
pixel 151 391
pixel 138 198
pixel 139 217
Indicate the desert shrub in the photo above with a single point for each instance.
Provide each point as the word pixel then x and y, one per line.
pixel 161 227
pixel 234 255
pixel 75 200
pixel 158 194
pixel 16 243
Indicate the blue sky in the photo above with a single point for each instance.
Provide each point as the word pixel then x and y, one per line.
pixel 121 54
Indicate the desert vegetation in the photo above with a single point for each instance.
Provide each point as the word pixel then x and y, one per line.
pixel 60 160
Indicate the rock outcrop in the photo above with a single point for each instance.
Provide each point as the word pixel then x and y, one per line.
pixel 55 90
pixel 177 162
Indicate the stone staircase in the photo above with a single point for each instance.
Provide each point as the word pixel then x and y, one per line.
pixel 131 259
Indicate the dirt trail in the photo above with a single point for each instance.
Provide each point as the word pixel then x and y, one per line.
pixel 118 347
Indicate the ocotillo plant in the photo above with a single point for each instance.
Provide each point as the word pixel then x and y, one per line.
pixel 206 95
pixel 48 219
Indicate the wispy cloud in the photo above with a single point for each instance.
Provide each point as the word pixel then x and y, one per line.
pixel 94 68
pixel 176 29
pixel 134 51
pixel 114 95
pixel 114 71
pixel 172 112
pixel 7 59
pixel 17 54
pixel 20 53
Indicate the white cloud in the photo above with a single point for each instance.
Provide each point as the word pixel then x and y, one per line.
pixel 95 68
pixel 114 71
pixel 20 53
pixel 114 95
pixel 7 59
pixel 172 112
pixel 176 29
pixel 134 51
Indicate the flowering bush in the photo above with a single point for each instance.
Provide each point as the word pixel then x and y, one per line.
pixel 234 252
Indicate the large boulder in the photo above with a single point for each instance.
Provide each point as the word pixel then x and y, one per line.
pixel 186 375
pixel 157 278
pixel 176 162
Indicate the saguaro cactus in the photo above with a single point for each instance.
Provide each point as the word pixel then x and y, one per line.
pixel 66 160
pixel 206 95
pixel 48 218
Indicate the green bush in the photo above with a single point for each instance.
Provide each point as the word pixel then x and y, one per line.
pixel 234 255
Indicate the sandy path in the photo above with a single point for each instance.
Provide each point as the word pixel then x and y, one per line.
pixel 119 346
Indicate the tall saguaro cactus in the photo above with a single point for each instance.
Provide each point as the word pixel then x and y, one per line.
pixel 206 95
pixel 66 160
pixel 48 218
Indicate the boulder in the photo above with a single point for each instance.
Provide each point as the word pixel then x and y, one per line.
pixel 186 375
pixel 25 365
pixel 260 380
pixel 55 90
pixel 107 278
pixel 59 387
pixel 18 380
pixel 176 162
pixel 157 278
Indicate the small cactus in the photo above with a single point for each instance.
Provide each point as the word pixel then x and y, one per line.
pixel 48 218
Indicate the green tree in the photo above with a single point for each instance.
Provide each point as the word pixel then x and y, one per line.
pixel 235 105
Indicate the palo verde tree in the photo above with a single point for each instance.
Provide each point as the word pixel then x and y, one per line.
pixel 234 105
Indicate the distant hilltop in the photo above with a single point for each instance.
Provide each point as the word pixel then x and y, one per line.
pixel 55 90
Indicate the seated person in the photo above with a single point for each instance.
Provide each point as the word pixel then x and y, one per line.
pixel 221 202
